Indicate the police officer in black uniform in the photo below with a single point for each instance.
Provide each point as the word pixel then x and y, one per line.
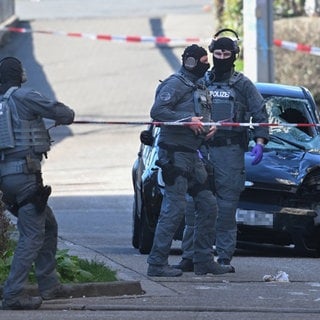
pixel 234 99
pixel 24 141
pixel 178 98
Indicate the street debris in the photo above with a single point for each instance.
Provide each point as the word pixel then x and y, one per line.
pixel 280 276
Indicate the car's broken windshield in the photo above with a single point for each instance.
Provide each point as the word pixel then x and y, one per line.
pixel 288 113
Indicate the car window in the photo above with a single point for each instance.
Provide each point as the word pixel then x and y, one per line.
pixel 288 110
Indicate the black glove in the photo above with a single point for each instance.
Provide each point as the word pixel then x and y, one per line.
pixel 146 137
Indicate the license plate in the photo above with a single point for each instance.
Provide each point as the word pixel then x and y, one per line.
pixel 254 218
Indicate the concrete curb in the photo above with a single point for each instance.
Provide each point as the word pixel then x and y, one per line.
pixel 95 289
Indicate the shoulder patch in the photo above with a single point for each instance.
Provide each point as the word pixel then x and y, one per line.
pixel 165 96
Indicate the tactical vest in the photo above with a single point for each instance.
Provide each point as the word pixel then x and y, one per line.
pixel 6 129
pixel 203 103
pixel 21 134
pixel 201 97
pixel 225 107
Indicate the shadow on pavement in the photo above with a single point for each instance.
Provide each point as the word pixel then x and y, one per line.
pixel 20 45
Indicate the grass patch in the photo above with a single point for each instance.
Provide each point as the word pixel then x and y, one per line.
pixel 98 270
pixel 74 269
pixel 70 269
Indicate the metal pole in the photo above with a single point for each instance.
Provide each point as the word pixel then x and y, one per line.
pixel 258 40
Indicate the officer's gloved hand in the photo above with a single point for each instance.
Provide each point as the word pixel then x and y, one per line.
pixel 146 137
pixel 257 152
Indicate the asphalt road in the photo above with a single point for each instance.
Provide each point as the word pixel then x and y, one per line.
pixel 89 166
pixel 52 9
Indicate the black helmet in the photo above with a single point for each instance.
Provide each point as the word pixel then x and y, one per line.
pixel 191 60
pixel 11 71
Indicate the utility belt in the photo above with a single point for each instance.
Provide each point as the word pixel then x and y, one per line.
pixel 27 166
pixel 175 148
pixel 169 171
pixel 226 141
pixel 197 175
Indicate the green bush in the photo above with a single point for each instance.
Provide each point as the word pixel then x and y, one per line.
pixel 4 227
pixel 5 263
pixel 72 269
pixel 229 14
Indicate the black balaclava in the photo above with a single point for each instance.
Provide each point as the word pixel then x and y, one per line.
pixel 11 73
pixel 222 66
pixel 191 60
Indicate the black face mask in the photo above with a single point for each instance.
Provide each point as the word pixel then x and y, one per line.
pixel 222 66
pixel 191 60
pixel 200 69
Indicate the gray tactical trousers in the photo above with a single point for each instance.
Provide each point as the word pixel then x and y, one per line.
pixel 37 242
pixel 173 210
pixel 229 178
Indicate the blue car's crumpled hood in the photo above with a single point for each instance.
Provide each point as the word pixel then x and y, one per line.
pixel 284 166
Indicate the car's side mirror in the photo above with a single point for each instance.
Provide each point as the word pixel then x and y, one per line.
pixel 146 137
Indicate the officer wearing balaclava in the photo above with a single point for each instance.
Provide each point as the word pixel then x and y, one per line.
pixel 182 168
pixel 11 74
pixel 194 66
pixel 234 99
pixel 22 115
pixel 224 51
pixel 195 60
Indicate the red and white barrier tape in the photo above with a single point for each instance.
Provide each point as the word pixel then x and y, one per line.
pixel 108 37
pixel 218 124
pixel 297 47
pixel 159 40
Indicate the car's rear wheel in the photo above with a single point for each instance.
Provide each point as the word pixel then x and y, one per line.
pixel 146 235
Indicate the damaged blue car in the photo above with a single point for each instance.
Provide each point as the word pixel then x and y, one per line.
pixel 281 201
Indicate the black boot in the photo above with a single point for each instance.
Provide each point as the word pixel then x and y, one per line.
pixel 226 262
pixel 213 267
pixel 22 302
pixel 186 265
